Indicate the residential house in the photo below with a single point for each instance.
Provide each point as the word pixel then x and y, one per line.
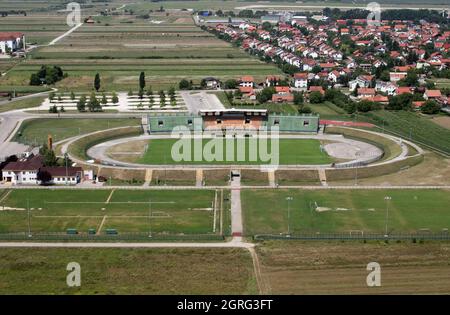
pixel 212 83
pixel 247 81
pixel 301 80
pixel 366 92
pixel 362 81
pixel 11 41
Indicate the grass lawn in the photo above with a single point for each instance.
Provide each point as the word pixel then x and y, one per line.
pixel 22 104
pixel 128 271
pixel 186 212
pixel 291 151
pixel 36 131
pixel 265 211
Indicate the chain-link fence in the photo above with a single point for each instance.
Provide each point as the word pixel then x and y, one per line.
pixel 354 236
pixel 85 237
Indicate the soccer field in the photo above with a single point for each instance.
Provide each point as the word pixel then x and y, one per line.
pixel 331 211
pixel 291 152
pixel 161 212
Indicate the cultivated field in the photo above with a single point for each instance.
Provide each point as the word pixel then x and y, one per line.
pixel 159 212
pixel 296 267
pixel 128 271
pixel 305 151
pixel 167 46
pixel 329 211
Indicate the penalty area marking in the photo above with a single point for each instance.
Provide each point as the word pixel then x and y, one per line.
pixel 110 196
pixel 6 195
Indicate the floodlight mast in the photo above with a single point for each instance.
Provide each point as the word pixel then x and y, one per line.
pixel 387 199
pixel 289 199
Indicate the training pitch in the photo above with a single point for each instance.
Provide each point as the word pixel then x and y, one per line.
pixel 355 211
pixel 159 212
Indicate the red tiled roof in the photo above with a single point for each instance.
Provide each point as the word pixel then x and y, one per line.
pixel 301 75
pixel 403 90
pixel 10 35
pixel 247 78
pixel 433 93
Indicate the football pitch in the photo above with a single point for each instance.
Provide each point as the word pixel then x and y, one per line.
pixel 291 152
pixel 157 212
pixel 355 211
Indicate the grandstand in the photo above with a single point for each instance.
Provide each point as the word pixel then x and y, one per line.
pixel 234 119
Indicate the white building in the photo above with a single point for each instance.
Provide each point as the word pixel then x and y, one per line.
pixel 24 171
pixel 301 80
pixel 11 41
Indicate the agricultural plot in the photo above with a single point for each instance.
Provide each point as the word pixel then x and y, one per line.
pixel 167 48
pixel 128 271
pixel 298 267
pixel 414 126
pixel 333 211
pixel 39 29
pixel 157 212
pixel 36 131
pixel 291 151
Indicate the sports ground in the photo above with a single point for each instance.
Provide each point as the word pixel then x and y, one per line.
pixel 159 212
pixel 335 211
pixel 305 151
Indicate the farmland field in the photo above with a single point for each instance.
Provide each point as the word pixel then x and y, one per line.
pixel 128 271
pixel 305 151
pixel 413 126
pixel 297 267
pixel 171 212
pixel 36 131
pixel 329 211
pixel 167 47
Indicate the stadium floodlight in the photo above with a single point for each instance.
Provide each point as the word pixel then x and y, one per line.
pixel 289 199
pixel 387 199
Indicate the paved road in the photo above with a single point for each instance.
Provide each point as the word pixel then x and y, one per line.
pixel 57 39
pixel 236 242
pixel 236 208
pixel 198 100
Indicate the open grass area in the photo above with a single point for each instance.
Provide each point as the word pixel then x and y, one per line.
pixel 36 131
pixel 330 211
pixel 297 267
pixel 291 151
pixel 128 271
pixel 22 104
pixel 161 212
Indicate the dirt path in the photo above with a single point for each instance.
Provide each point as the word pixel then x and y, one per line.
pixel 263 286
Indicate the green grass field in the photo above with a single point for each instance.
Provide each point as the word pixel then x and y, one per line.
pixel 265 211
pixel 128 271
pixel 291 151
pixel 36 131
pixel 172 212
